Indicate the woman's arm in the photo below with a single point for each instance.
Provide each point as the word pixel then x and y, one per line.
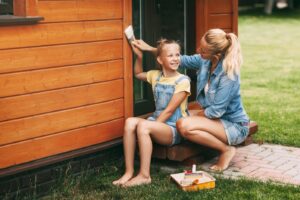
pixel 194 62
pixel 138 65
pixel 140 44
pixel 175 101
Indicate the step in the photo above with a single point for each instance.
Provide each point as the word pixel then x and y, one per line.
pixel 186 149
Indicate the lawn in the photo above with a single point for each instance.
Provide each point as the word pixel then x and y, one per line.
pixel 271 94
pixel 97 186
pixel 271 74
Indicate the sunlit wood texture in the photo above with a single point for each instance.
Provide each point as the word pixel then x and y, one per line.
pixel 66 82
pixel 41 147
pixel 25 8
pixel 127 55
pixel 216 14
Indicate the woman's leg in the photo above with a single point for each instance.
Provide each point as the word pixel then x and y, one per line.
pixel 129 141
pixel 210 133
pixel 146 131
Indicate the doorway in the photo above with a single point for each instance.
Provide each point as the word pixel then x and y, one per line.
pixel 155 19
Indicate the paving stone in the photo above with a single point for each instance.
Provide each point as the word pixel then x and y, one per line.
pixel 264 162
pixel 240 164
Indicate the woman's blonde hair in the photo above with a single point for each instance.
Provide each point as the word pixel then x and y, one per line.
pixel 228 46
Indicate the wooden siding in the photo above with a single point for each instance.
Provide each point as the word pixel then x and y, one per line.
pixel 63 80
pixel 216 14
pixel 17 153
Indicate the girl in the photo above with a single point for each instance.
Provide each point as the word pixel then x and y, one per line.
pixel 223 121
pixel 171 90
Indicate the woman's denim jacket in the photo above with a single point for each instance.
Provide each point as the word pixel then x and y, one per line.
pixel 223 99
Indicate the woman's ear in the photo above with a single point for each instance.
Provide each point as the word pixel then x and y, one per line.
pixel 159 60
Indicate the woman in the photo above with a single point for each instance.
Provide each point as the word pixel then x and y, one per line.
pixel 223 121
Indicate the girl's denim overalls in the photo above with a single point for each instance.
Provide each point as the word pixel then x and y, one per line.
pixel 162 96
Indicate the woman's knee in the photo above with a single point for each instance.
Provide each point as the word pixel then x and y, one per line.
pixel 182 126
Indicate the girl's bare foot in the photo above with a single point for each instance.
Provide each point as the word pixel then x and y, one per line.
pixel 138 180
pixel 121 181
pixel 224 159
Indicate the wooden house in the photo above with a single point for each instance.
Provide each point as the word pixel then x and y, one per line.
pixel 66 83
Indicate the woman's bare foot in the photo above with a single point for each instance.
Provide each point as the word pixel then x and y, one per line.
pixel 125 178
pixel 138 180
pixel 224 159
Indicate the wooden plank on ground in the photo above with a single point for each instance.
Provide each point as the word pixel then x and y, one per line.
pixel 55 122
pixel 65 10
pixel 59 33
pixel 55 100
pixel 14 60
pixel 55 78
pixel 54 144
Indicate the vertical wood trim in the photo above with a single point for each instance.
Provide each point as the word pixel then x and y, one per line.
pixel 235 16
pixel 31 8
pixel 25 8
pixel 19 7
pixel 127 56
pixel 201 22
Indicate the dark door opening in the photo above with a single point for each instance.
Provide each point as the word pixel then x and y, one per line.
pixel 155 19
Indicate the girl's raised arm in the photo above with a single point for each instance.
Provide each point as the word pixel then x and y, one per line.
pixel 138 65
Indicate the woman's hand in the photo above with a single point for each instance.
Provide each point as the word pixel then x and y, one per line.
pixel 143 46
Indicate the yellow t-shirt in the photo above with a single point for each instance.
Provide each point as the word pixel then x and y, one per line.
pixel 183 86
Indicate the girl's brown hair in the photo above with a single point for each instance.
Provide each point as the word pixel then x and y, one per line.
pixel 162 42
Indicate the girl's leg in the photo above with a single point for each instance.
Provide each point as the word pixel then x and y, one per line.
pixel 129 141
pixel 146 131
pixel 210 133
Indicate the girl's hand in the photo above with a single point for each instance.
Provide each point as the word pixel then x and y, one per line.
pixel 143 45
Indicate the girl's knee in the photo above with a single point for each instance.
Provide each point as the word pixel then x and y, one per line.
pixel 130 124
pixel 143 128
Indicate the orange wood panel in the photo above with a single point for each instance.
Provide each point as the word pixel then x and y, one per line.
pixel 60 55
pixel 220 6
pixel 223 21
pixel 25 7
pixel 215 14
pixel 235 16
pixel 66 141
pixel 127 55
pixel 59 11
pixel 38 103
pixel 48 79
pixel 201 23
pixel 46 124
pixel 59 33
pixel 227 30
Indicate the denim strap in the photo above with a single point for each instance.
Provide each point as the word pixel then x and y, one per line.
pixel 181 78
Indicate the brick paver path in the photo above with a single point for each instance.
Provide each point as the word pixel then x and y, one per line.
pixel 264 162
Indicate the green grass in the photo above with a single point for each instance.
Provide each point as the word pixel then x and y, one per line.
pixel 98 186
pixel 271 94
pixel 271 74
